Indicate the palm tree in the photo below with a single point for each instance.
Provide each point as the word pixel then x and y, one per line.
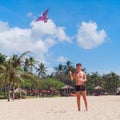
pixel 30 80
pixel 9 78
pixel 26 65
pixel 112 81
pixel 41 70
pixel 32 63
pixel 96 78
pixel 68 64
pixel 17 61
pixel 2 59
pixel 59 69
pixel 68 67
pixel 29 64
pixel 10 73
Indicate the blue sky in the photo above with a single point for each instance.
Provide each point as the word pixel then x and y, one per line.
pixel 85 31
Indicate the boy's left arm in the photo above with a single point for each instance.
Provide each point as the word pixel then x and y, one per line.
pixel 84 77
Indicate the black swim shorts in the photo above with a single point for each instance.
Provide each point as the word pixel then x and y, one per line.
pixel 80 88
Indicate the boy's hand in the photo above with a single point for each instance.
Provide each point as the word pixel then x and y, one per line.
pixel 70 72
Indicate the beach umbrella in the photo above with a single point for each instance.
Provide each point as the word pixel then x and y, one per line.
pixel 67 87
pixel 118 90
pixel 20 90
pixel 44 91
pixel 98 88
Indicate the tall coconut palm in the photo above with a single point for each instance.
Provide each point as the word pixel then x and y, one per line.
pixel 26 65
pixel 9 78
pixel 17 61
pixel 32 63
pixel 68 64
pixel 2 59
pixel 29 64
pixel 112 81
pixel 59 69
pixel 96 78
pixel 10 73
pixel 68 67
pixel 41 70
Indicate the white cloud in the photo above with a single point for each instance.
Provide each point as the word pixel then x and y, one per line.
pixel 37 39
pixel 3 26
pixel 49 42
pixel 41 28
pixel 61 35
pixel 49 29
pixel 62 59
pixel 89 37
pixel 30 14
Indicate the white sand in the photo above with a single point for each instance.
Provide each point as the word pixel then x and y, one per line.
pixel 61 108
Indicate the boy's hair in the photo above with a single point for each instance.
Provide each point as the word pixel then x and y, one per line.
pixel 78 64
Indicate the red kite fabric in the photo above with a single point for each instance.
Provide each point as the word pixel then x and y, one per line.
pixel 44 17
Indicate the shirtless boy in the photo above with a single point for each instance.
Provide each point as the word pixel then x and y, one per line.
pixel 80 78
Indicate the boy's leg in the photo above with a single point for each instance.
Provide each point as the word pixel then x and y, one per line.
pixel 78 100
pixel 85 100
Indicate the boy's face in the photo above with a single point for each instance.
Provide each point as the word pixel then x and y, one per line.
pixel 79 67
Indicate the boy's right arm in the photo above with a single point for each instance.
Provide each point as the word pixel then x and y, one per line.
pixel 71 76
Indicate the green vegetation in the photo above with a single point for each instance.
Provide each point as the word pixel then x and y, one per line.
pixel 29 74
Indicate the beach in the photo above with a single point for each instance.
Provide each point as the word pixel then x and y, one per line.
pixel 61 108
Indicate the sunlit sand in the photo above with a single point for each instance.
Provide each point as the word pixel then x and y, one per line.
pixel 61 108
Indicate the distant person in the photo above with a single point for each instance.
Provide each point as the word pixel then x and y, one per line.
pixel 80 78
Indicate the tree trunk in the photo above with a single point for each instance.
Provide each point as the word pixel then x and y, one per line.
pixel 8 92
pixel 13 96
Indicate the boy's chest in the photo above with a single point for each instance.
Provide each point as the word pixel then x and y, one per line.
pixel 79 75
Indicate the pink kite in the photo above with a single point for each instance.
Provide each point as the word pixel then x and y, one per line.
pixel 43 17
